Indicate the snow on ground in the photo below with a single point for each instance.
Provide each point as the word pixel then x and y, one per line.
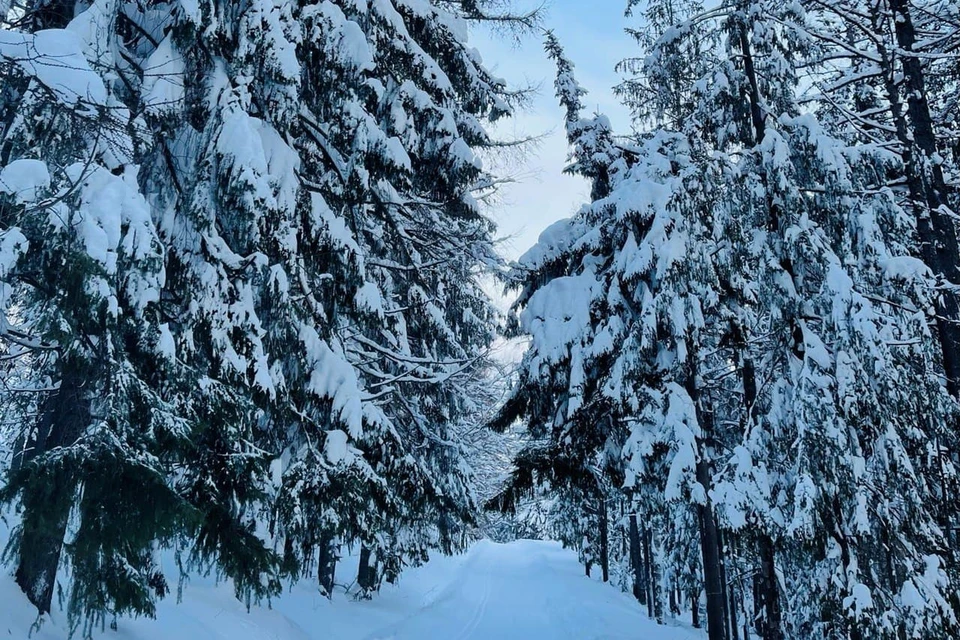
pixel 525 590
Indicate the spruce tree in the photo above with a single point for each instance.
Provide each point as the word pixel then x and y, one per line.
pixel 389 127
pixel 802 276
pixel 83 273
pixel 280 332
pixel 619 301
pixel 895 88
pixel 757 283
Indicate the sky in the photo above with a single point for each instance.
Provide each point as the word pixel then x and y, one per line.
pixel 592 34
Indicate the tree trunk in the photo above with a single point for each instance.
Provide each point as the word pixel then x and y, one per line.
pixel 367 571
pixel 758 622
pixel 732 605
pixel 656 600
pixel 650 573
pixel 710 550
pixel 327 565
pixel 622 532
pixel 48 497
pixel 723 581
pixel 40 547
pixel 769 590
pixel 604 542
pixel 647 572
pixel 939 247
pixel 636 564
pixel 695 608
pixel 709 534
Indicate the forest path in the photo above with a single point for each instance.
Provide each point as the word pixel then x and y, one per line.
pixel 524 590
pixel 527 590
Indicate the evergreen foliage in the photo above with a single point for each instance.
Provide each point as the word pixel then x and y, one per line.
pixel 242 253
pixel 743 336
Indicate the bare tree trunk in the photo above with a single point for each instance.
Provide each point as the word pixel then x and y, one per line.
pixel 769 591
pixel 650 573
pixel 723 580
pixel 695 608
pixel 622 529
pixel 41 544
pixel 732 605
pixel 656 598
pixel 709 534
pixel 758 617
pixel 710 550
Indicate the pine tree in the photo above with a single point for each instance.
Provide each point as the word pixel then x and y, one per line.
pixel 295 295
pixel 81 331
pixel 803 280
pixel 614 275
pixel 757 283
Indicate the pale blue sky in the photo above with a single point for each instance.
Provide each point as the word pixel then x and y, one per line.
pixel 592 34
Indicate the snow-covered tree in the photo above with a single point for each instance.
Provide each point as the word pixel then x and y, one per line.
pixel 886 73
pixel 813 275
pixel 285 315
pixel 81 328
pixel 616 301
pixel 737 325
pixel 389 127
pixel 320 175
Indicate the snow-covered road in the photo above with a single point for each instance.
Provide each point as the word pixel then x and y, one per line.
pixel 526 590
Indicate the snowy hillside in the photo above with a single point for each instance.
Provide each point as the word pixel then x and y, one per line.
pixel 527 590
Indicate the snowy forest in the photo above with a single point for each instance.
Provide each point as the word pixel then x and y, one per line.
pixel 253 329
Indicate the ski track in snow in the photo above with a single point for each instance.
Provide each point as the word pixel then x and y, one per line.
pixel 528 590
pixel 525 590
